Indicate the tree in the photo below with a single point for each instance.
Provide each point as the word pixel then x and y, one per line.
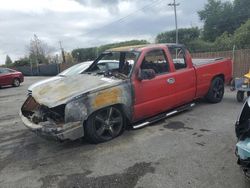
pixel 224 42
pixel 120 44
pixel 217 18
pixel 200 45
pixel 69 58
pixel 242 36
pixel 241 12
pixel 38 51
pixel 22 62
pixel 85 54
pixel 185 36
pixel 8 61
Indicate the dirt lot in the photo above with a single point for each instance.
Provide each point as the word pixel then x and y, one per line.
pixel 192 149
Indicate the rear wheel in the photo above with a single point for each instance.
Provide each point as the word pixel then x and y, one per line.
pixel 16 82
pixel 105 124
pixel 216 91
pixel 240 96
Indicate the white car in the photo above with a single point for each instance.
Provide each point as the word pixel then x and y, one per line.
pixel 77 69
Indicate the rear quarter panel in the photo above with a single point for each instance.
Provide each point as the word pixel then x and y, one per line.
pixel 206 73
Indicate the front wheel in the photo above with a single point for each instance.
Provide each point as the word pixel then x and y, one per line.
pixel 105 124
pixel 16 82
pixel 216 91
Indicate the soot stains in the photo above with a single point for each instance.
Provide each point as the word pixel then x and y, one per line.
pixel 204 130
pixel 126 179
pixel 49 181
pixel 201 143
pixel 177 125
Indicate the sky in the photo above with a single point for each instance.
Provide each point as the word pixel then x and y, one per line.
pixel 87 23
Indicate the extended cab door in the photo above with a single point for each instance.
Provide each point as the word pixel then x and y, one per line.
pixel 185 76
pixel 155 95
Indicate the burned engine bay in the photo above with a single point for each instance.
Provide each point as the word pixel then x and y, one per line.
pixel 51 118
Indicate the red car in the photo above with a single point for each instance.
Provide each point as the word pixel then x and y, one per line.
pixel 10 77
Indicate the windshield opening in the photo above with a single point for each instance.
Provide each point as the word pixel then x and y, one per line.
pixel 114 64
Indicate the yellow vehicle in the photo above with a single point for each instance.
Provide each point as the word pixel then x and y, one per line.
pixel 242 85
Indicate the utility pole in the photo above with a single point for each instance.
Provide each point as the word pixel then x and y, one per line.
pixel 36 40
pixel 63 55
pixel 176 25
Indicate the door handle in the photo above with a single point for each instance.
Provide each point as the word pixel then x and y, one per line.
pixel 171 80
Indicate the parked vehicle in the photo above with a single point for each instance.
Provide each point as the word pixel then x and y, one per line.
pixel 10 77
pixel 242 86
pixel 242 129
pixel 75 70
pixel 151 82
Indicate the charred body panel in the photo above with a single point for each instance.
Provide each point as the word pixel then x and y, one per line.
pixel 49 122
pixel 66 120
pixel 61 91
pixel 242 129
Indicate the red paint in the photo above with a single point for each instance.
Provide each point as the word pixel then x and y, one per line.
pixel 157 95
pixel 7 76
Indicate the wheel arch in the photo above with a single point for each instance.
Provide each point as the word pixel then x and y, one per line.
pixel 222 76
pixel 17 78
pixel 126 111
pixel 88 128
pixel 210 95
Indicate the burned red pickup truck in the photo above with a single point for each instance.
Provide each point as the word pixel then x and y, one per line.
pixel 151 82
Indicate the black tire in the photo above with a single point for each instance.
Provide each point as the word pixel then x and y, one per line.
pixel 16 82
pixel 104 125
pixel 216 91
pixel 240 96
pixel 248 93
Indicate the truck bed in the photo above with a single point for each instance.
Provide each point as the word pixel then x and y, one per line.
pixel 206 69
pixel 198 62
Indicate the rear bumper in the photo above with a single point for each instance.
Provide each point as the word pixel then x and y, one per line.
pixel 69 131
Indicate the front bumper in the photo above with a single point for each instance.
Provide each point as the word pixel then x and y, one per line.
pixel 68 131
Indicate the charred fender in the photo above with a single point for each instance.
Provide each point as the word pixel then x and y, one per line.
pixel 66 121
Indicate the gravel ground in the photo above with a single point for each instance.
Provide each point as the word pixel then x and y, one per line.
pixel 192 149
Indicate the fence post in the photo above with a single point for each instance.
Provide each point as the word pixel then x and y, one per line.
pixel 233 60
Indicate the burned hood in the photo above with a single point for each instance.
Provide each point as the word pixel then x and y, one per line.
pixel 60 91
pixel 44 81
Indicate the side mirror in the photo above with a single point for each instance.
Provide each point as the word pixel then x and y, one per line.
pixel 146 74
